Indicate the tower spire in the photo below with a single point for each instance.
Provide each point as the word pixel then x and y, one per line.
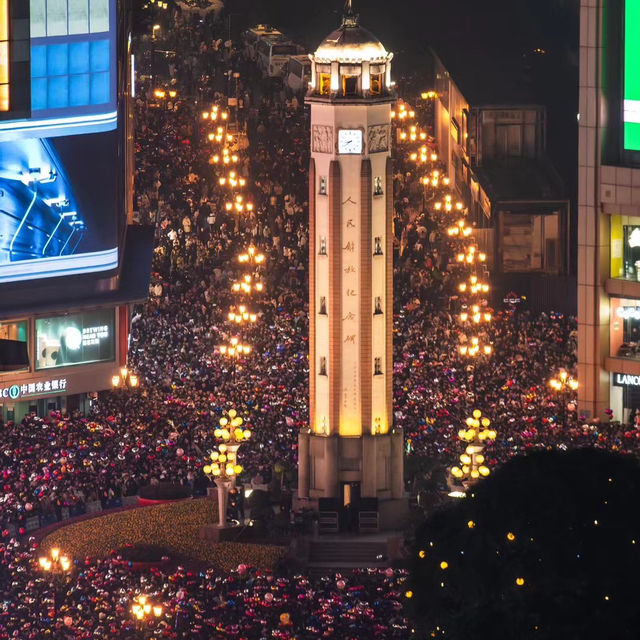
pixel 349 17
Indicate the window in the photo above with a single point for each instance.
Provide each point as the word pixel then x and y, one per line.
pixel 377 366
pixel 349 86
pixel 323 246
pixel 378 306
pixel 377 186
pixel 625 328
pixel 4 55
pixel 625 247
pixel 68 17
pixel 323 366
pixel 323 306
pixel 15 356
pixel 377 246
pixel 324 84
pixel 322 187
pixel 376 84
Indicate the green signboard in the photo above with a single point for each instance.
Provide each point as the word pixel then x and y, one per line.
pixel 632 75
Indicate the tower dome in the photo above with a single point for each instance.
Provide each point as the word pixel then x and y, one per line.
pixel 350 63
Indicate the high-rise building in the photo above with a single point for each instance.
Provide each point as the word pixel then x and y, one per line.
pixel 609 208
pixel 67 252
pixel 352 451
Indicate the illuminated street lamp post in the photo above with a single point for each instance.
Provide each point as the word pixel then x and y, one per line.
pixel 472 465
pixel 57 567
pixel 223 470
pixel 563 385
pixel 145 613
pixel 232 434
pixel 126 380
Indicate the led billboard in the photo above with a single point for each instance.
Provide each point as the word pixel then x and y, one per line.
pixel 73 77
pixel 58 206
pixel 632 75
pixel 78 338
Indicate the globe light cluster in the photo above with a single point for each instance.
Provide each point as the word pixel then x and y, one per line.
pixel 231 428
pixel 472 461
pixel 223 463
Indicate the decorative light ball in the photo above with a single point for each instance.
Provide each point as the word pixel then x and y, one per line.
pixel 246 434
pixel 465 468
pixel 225 434
pixel 237 434
pixel 477 413
pixel 484 471
pixel 444 565
pixel 409 594
pixel 486 422
pixel 475 474
pixel 471 524
pixel 223 448
pixel 422 553
pixel 214 455
pixel 492 434
pixel 519 581
pixel 222 458
pixel 223 422
pixel 465 459
pixel 232 413
pixel 230 470
pixel 479 458
pixel 216 470
pixel 237 469
pixel 217 433
pixel 469 421
pixel 457 472
pixel 207 469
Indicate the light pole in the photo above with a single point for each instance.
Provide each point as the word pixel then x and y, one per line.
pixel 472 461
pixel 126 380
pixel 57 567
pixel 564 384
pixel 223 470
pixel 144 613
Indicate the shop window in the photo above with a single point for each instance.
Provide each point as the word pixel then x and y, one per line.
pixel 377 186
pixel 323 366
pixel 323 246
pixel 322 186
pixel 378 306
pixel 324 84
pixel 323 306
pixel 377 366
pixel 349 86
pixel 13 353
pixel 376 84
pixel 377 246
pixel 625 248
pixel 625 328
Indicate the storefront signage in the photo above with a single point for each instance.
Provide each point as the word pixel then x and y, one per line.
pixel 628 313
pixel 18 391
pixel 626 380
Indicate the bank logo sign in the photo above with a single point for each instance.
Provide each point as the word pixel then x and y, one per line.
pixel 26 390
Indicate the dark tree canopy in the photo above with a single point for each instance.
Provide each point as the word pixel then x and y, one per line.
pixel 547 547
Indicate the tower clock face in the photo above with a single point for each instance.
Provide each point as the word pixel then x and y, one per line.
pixel 350 141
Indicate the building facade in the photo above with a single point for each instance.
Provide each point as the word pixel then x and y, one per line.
pixel 70 263
pixel 609 209
pixel 352 449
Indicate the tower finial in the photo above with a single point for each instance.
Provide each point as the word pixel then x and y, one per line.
pixel 349 18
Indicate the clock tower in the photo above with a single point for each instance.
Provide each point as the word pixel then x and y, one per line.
pixel 352 449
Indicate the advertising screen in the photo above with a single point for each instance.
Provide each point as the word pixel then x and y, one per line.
pixel 75 339
pixel 58 206
pixel 632 75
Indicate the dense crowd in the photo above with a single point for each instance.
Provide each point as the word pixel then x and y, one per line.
pixel 164 431
pixel 95 602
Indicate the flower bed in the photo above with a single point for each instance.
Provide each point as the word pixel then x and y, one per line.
pixel 174 527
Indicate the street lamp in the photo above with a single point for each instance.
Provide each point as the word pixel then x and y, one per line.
pixel 242 315
pixel 251 257
pixel 235 348
pixel 475 315
pixel 473 286
pixel 126 380
pixel 247 285
pixel 470 255
pixel 223 470
pixel 57 567
pixel 475 348
pixel 472 460
pixel 563 385
pixel 144 613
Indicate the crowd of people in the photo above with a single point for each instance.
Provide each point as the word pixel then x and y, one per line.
pixel 164 430
pixel 95 602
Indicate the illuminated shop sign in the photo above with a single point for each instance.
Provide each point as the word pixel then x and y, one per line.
pixel 628 313
pixel 632 75
pixel 25 390
pixel 75 339
pixel 626 380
